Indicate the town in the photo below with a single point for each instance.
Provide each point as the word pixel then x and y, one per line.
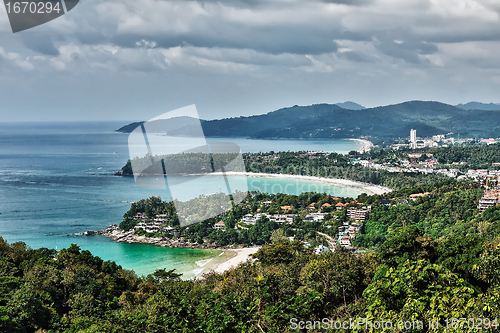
pixel 427 163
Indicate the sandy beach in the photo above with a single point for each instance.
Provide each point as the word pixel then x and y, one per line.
pixel 370 189
pixel 239 256
pixel 367 145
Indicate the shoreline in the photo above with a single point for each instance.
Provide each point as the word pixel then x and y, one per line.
pixel 120 236
pixel 240 253
pixel 367 145
pixel 237 256
pixel 370 189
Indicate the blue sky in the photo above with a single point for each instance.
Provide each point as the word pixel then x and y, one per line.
pixel 135 59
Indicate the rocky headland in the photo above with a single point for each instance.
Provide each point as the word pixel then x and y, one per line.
pixel 121 236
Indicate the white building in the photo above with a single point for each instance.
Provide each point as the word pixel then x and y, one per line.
pixel 316 217
pixel 345 241
pixel 249 219
pixel 219 225
pixel 413 139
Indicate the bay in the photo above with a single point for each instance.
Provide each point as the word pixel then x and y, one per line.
pixel 56 179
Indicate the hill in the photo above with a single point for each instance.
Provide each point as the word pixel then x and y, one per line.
pixel 350 106
pixel 436 258
pixel 321 121
pixel 479 106
pixel 385 122
pixel 178 126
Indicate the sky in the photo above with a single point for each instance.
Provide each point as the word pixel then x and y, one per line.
pixel 136 59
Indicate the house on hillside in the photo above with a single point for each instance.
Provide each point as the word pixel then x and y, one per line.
pixel 316 217
pixel 359 214
pixel 490 198
pixel 249 219
pixel 219 225
pixel 340 206
pixel 418 195
pixel 345 241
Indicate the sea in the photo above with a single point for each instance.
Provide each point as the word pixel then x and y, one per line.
pixel 56 180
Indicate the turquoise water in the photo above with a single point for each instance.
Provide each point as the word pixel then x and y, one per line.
pixel 56 180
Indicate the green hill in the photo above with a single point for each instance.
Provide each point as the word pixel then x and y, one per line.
pixel 322 121
pixel 386 122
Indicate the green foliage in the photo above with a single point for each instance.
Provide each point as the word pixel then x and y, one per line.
pixel 408 244
pixel 450 208
pixel 280 253
pixel 433 258
pixel 74 291
pixel 419 290
pixel 177 164
pixel 126 225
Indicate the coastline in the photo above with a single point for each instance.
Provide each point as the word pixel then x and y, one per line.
pixel 230 257
pixel 239 256
pixel 370 189
pixel 367 145
pixel 120 236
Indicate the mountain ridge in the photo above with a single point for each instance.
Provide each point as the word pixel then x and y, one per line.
pixel 320 121
pixel 479 106
pixel 349 105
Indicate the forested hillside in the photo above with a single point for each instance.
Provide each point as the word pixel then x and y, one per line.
pixel 331 121
pixel 432 260
pixel 412 277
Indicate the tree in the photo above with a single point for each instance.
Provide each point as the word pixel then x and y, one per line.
pixel 338 276
pixel 408 244
pixel 278 236
pixel 280 253
pixel 419 290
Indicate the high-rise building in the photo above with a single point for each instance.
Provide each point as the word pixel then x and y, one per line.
pixel 413 139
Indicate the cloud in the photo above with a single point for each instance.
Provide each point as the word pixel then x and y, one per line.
pixel 349 2
pixel 15 60
pixel 42 44
pixel 406 50
pixel 292 51
pixel 408 31
pixel 355 56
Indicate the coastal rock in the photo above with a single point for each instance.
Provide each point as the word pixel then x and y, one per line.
pixel 117 235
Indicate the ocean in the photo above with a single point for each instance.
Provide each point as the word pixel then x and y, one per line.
pixel 56 179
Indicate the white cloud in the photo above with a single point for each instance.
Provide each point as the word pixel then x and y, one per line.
pixel 16 60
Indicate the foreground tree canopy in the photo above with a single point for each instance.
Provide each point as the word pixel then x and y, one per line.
pixel 413 277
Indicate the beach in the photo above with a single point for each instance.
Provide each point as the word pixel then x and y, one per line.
pixel 228 258
pixel 370 189
pixel 239 256
pixel 367 145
